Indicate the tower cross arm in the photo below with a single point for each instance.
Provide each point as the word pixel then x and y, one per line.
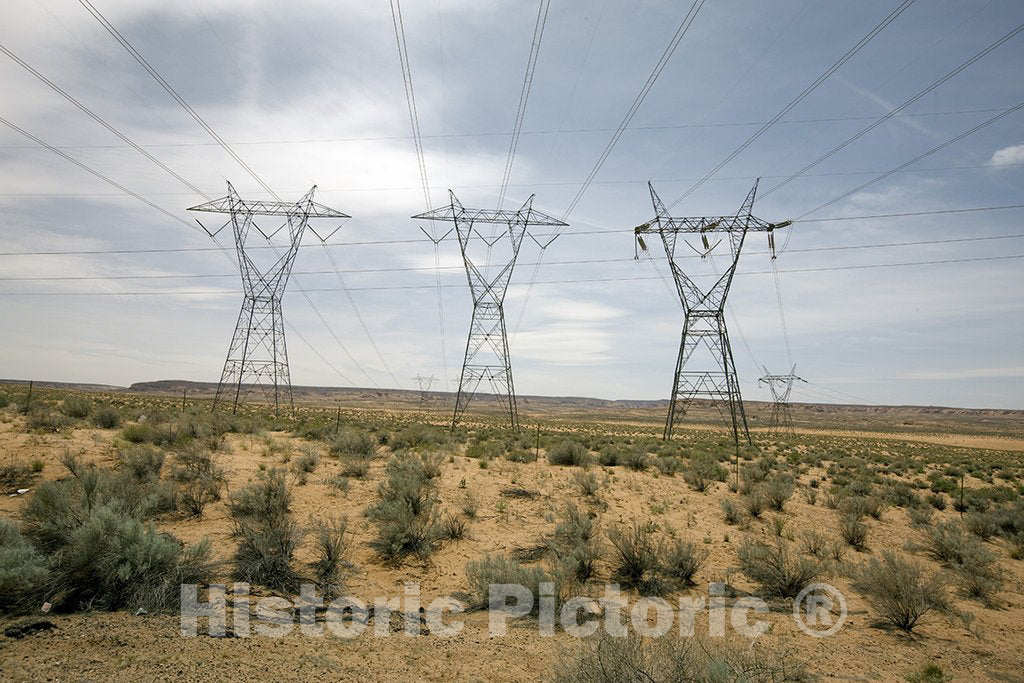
pixel 453 212
pixel 705 224
pixel 264 208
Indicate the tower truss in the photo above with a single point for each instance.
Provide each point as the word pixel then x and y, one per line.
pixel 704 329
pixel 487 354
pixel 781 420
pixel 257 359
pixel 424 384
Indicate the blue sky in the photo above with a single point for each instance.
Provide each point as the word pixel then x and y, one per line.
pixel 312 92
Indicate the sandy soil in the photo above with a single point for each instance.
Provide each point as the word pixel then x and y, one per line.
pixel 126 647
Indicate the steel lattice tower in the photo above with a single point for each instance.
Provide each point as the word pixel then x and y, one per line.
pixel 258 356
pixel 781 421
pixel 704 310
pixel 487 355
pixel 424 384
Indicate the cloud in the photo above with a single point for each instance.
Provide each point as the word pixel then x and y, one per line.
pixel 1008 156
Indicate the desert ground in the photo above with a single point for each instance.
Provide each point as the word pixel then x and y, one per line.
pixel 937 491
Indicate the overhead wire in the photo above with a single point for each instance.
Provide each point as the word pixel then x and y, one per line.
pixel 857 47
pixel 931 87
pixel 421 160
pixel 897 169
pixel 524 96
pixel 652 78
pixel 861 266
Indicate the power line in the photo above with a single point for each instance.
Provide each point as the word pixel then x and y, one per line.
pixel 554 131
pixel 97 174
pixel 919 157
pixel 893 112
pixel 93 252
pixel 169 89
pixel 524 95
pixel 414 121
pixel 799 98
pixel 681 31
pixel 540 282
pixel 100 120
pixel 550 183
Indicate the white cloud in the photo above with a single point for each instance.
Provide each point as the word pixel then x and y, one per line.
pixel 1008 156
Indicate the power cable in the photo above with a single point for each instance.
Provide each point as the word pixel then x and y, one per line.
pixel 893 112
pixel 799 98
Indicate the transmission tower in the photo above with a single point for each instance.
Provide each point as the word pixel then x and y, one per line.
pixel 781 421
pixel 424 384
pixel 487 355
pixel 258 356
pixel 704 309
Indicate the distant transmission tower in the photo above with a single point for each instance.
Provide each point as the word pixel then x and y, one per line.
pixel 424 384
pixel 781 421
pixel 258 356
pixel 704 310
pixel 487 354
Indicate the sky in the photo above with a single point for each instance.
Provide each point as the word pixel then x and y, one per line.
pixel 312 93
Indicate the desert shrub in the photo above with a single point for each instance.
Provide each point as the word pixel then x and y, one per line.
pixel 419 437
pixel 573 544
pixel 568 452
pixel 975 565
pixel 106 417
pixel 610 457
pixel 268 536
pixel 143 462
pixel 731 512
pixel 46 420
pixel 635 563
pixel 405 513
pixel 778 571
pixel 24 573
pixel 931 672
pixel 874 506
pixel 754 504
pixel 635 459
pixel 936 500
pixel 453 528
pixel 920 516
pixel 981 524
pixel 520 455
pixel 702 472
pixel 353 442
pixel 469 506
pixel 606 659
pixel 266 498
pixel 777 490
pixel 498 569
pixel 141 432
pixel 331 550
pixel 14 475
pixel 683 559
pixel 810 494
pixel 668 465
pixel 58 508
pixel 198 478
pixel 1016 546
pixel 76 407
pixel 307 462
pixel 853 531
pixel 814 543
pixel 900 590
pixel 587 483
pixel 112 561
